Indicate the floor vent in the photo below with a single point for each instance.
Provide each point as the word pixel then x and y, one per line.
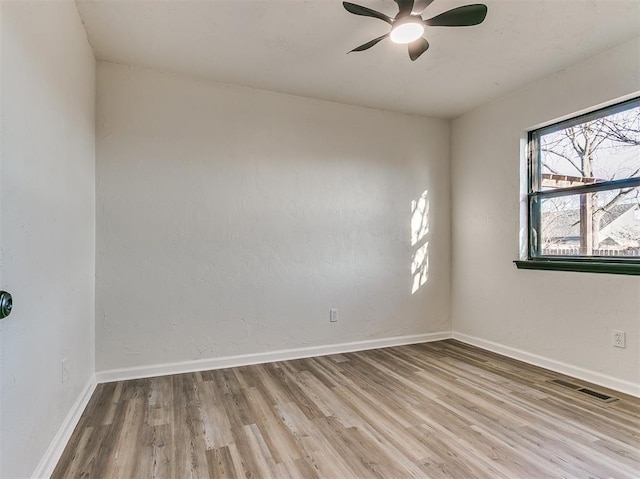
pixel 339 358
pixel 580 389
pixel 565 384
pixel 597 395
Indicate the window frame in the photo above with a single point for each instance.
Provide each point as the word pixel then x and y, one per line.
pixel 595 264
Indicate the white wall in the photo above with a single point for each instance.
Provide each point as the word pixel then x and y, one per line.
pixel 230 220
pixel 48 224
pixel 563 316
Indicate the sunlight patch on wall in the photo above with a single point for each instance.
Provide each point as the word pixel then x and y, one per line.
pixel 419 218
pixel 419 243
pixel 420 267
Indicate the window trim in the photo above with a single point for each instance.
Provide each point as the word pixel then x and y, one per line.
pixel 592 264
pixel 581 265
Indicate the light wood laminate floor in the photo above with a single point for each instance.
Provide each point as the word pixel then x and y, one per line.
pixel 434 410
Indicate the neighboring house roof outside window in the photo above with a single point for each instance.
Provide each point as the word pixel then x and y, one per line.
pixel 564 226
pixel 552 180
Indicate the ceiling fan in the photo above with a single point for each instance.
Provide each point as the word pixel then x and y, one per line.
pixel 408 26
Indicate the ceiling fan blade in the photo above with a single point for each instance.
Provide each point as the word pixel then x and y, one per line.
pixel 365 12
pixel 417 48
pixel 404 7
pixel 366 46
pixel 420 5
pixel 460 17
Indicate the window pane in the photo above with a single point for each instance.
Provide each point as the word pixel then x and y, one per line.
pixel 604 149
pixel 606 223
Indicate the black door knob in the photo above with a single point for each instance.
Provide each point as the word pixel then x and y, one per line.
pixel 6 304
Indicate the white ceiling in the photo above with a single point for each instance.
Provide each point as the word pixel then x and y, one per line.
pixel 299 46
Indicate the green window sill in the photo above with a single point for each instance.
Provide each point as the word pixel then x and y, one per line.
pixel 582 266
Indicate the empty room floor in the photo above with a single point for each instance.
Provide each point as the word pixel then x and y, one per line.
pixel 443 409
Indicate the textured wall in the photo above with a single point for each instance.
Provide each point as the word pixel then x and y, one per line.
pixel 563 316
pixel 48 224
pixel 230 220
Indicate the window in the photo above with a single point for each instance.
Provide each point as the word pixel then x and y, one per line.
pixel 584 193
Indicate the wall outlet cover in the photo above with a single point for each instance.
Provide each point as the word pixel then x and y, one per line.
pixel 619 339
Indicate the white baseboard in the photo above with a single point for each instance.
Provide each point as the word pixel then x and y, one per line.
pixel 594 377
pixel 60 440
pixel 260 358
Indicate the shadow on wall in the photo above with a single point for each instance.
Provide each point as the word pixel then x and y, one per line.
pixel 419 243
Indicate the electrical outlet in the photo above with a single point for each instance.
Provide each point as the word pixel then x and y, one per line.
pixel 333 315
pixel 619 339
pixel 65 371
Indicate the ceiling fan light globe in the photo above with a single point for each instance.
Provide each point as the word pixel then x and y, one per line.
pixel 406 32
